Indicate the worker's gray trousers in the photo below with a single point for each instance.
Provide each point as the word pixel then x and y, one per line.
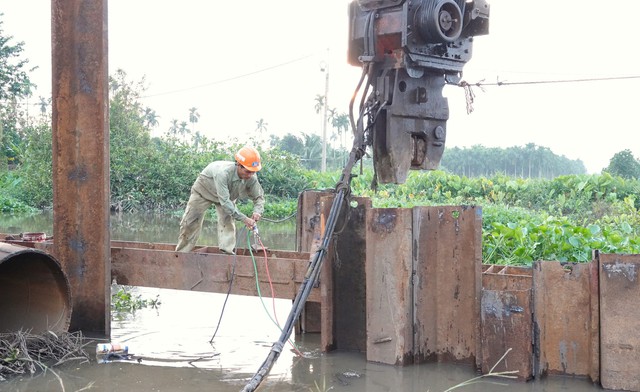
pixel 191 225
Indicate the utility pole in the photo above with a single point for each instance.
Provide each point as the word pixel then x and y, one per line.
pixel 325 69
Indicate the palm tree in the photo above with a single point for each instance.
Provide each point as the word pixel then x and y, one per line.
pixel 261 126
pixel 261 129
pixel 319 103
pixel 197 139
pixel 173 128
pixel 194 116
pixel 150 118
pixel 341 123
pixel 44 104
pixel 183 130
pixel 312 155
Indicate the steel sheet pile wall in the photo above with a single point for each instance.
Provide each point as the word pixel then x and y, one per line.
pixel 423 284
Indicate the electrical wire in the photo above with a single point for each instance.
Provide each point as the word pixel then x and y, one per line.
pixel 273 319
pixel 557 81
pixel 279 220
pixel 226 298
pixel 229 78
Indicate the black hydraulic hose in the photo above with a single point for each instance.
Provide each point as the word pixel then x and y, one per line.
pixel 303 293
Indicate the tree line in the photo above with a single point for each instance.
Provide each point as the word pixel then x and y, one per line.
pixel 530 161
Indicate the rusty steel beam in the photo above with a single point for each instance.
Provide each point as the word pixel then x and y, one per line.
pixel 81 157
pixel 619 321
pixel 208 270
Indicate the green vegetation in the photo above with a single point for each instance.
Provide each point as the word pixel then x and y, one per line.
pixel 525 220
pixel 124 300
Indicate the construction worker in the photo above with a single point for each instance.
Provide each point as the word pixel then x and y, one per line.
pixel 221 183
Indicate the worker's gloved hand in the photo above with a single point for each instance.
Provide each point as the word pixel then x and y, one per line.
pixel 256 217
pixel 250 223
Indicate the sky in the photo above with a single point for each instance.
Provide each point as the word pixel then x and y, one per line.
pixel 264 60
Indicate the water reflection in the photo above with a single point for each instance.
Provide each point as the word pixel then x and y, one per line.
pixel 160 228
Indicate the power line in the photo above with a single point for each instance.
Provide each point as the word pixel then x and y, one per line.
pixel 230 78
pixel 460 84
pixel 470 95
pixel 499 83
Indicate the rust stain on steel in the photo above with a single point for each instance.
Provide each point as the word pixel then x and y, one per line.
pixel 506 326
pixel 620 325
pixel 210 272
pixel 506 319
pixel 384 221
pixel 80 150
pixel 563 319
pixel 619 269
pixel 389 289
pixel 308 218
pixel 447 258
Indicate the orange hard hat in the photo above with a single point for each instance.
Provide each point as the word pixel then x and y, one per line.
pixel 249 157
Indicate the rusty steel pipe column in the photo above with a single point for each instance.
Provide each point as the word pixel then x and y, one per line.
pixel 81 157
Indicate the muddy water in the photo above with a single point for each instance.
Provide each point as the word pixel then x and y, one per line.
pixel 174 347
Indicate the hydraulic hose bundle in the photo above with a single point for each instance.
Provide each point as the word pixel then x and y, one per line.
pixel 313 272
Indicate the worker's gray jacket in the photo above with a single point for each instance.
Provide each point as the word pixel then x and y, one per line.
pixel 219 183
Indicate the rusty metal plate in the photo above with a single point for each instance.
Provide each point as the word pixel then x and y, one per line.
pixel 620 322
pixel 389 289
pixel 211 272
pixel 447 245
pixel 565 319
pixel 506 318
